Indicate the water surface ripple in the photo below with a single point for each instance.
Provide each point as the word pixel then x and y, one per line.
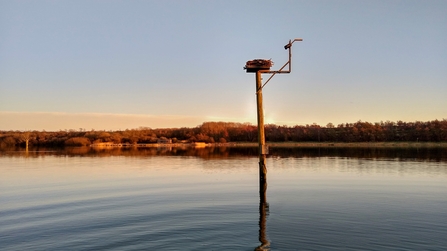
pixel 169 202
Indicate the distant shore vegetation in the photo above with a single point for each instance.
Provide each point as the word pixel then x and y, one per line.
pixel 225 132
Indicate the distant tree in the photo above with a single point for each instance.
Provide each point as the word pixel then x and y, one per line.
pixel 77 141
pixel 116 138
pixel 7 141
pixel 25 137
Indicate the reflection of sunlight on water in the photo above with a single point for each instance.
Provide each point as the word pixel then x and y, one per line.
pixel 60 170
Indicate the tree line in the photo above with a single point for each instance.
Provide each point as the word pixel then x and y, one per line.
pixel 222 132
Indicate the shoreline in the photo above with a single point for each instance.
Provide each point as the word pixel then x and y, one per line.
pixel 348 144
pixel 285 145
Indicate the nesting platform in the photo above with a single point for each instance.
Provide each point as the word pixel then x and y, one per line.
pixel 258 65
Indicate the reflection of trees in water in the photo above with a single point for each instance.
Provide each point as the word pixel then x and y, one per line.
pixel 205 153
pixel 410 153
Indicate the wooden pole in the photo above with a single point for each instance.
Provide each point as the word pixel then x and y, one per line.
pixel 263 205
pixel 261 134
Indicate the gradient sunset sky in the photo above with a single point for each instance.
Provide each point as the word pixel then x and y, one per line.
pixel 110 65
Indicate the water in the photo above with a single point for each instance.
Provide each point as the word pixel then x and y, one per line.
pixel 180 199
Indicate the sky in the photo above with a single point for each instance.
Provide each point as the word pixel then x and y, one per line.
pixel 116 65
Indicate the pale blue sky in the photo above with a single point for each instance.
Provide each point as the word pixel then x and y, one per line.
pixel 125 64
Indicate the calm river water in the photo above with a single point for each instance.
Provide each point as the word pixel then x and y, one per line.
pixel 208 199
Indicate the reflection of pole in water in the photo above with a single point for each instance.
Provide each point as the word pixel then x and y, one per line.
pixel 263 213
